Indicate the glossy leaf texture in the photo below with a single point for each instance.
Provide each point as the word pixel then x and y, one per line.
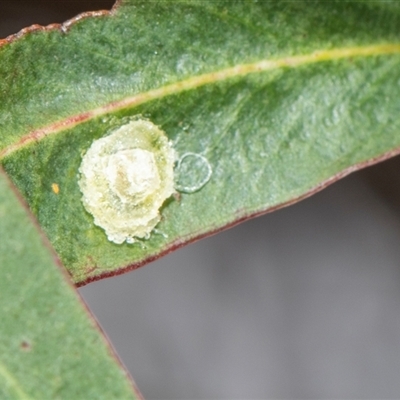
pixel 276 98
pixel 49 348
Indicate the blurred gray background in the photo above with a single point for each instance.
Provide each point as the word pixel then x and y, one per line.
pixel 302 303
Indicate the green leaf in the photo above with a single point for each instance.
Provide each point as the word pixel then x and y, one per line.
pixel 49 348
pixel 278 98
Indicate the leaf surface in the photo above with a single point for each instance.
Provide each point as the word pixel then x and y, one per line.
pixel 49 348
pixel 280 99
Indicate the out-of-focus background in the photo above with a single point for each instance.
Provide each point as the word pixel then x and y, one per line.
pixel 301 303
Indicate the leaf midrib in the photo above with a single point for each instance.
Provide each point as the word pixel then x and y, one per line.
pixel 198 81
pixel 13 383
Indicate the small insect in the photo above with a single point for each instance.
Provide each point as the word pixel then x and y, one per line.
pixel 125 178
pixel 55 188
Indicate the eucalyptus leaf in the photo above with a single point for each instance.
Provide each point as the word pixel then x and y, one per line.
pixel 49 348
pixel 277 98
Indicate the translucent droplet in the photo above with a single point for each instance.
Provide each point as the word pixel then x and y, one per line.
pixel 192 172
pixel 184 126
pixel 161 233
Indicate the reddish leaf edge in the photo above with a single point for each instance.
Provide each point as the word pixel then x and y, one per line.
pixel 62 27
pixel 64 272
pixel 239 219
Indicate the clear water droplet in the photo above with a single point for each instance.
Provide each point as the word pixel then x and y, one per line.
pixel 192 172
pixel 161 233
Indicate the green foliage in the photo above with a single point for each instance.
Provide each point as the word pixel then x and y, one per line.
pixel 49 348
pixel 279 97
pixel 276 98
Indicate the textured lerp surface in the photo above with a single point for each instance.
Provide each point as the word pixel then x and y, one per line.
pixel 125 179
